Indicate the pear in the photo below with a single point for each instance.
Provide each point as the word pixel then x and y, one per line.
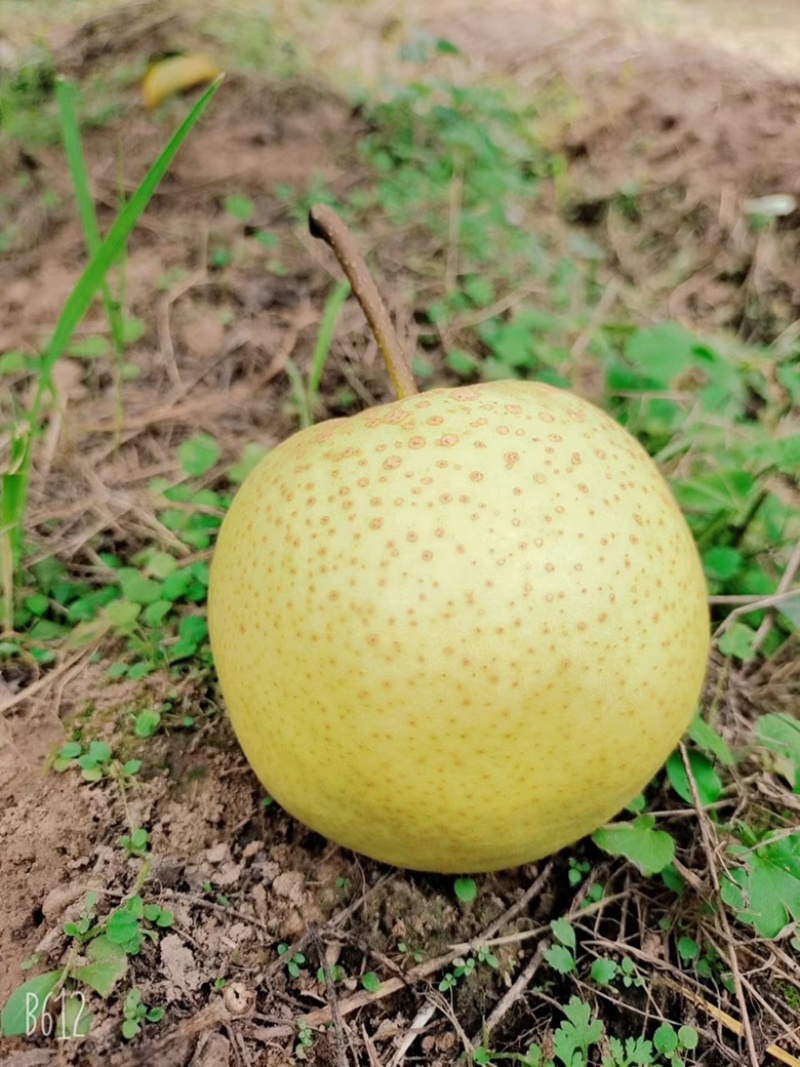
pixel 461 630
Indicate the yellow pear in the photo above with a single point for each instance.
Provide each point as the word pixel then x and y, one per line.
pixel 461 630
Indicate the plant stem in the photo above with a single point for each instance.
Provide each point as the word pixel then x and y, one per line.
pixel 323 222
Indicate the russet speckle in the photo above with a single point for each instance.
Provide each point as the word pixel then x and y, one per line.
pixel 525 626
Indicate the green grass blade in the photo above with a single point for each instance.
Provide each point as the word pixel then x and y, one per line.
pixel 12 506
pixel 70 134
pixel 73 149
pixel 80 298
pixel 327 328
pixel 299 394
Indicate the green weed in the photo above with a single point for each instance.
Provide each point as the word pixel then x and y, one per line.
pixel 465 889
pixel 94 761
pixel 136 1013
pixel 295 961
pixel 416 955
pixel 106 944
pixel 28 427
pixel 305 395
pixel 338 974
pixel 370 982
pixel 464 967
pixel 136 843
pixel 579 1034
pixel 305 1041
pixel 459 161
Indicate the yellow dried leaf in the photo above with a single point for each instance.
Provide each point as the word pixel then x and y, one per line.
pixel 176 75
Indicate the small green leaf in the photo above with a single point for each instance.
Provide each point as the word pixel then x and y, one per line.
pixel 100 751
pixel 90 347
pixel 603 971
pixel 688 949
pixel 132 1002
pixel 130 1028
pixel 715 493
pixel 722 562
pixel 688 1037
pixel 206 498
pixel 176 584
pixel 564 932
pixel 136 587
pixel 155 613
pixel 560 959
pixel 707 739
pixel 46 630
pixel 136 907
pixel 161 565
pixel 371 982
pixel 780 734
pixel 240 207
pixel 637 805
pixel 147 723
pixel 577 1034
pixel 666 1039
pixel 201 571
pixel 37 604
pixel 199 454
pixel 268 240
pixel 738 641
pixel 251 456
pixel 73 1018
pixel 765 892
pixel 122 927
pixel 139 838
pixel 466 889
pixel 108 963
pixel 447 48
pixel 139 670
pixel 26 1004
pixel 461 362
pixel 15 363
pixel 192 631
pixel 662 353
pixel 421 368
pixel 790 610
pixel 651 850
pixel 193 628
pixel 122 614
pixel 133 330
pixel 707 781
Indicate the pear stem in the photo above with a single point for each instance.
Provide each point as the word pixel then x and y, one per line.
pixel 323 222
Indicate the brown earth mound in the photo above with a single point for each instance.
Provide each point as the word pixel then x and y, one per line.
pixel 667 143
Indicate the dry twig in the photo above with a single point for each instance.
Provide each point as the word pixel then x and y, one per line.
pixel 512 995
pixel 708 848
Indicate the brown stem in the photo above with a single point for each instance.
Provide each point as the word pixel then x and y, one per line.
pixel 323 222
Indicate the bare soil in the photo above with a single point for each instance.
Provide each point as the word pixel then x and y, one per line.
pixel 681 135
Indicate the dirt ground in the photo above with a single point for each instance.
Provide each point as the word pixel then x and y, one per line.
pixel 693 127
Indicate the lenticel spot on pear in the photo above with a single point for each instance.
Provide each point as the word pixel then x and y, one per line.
pixel 458 631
